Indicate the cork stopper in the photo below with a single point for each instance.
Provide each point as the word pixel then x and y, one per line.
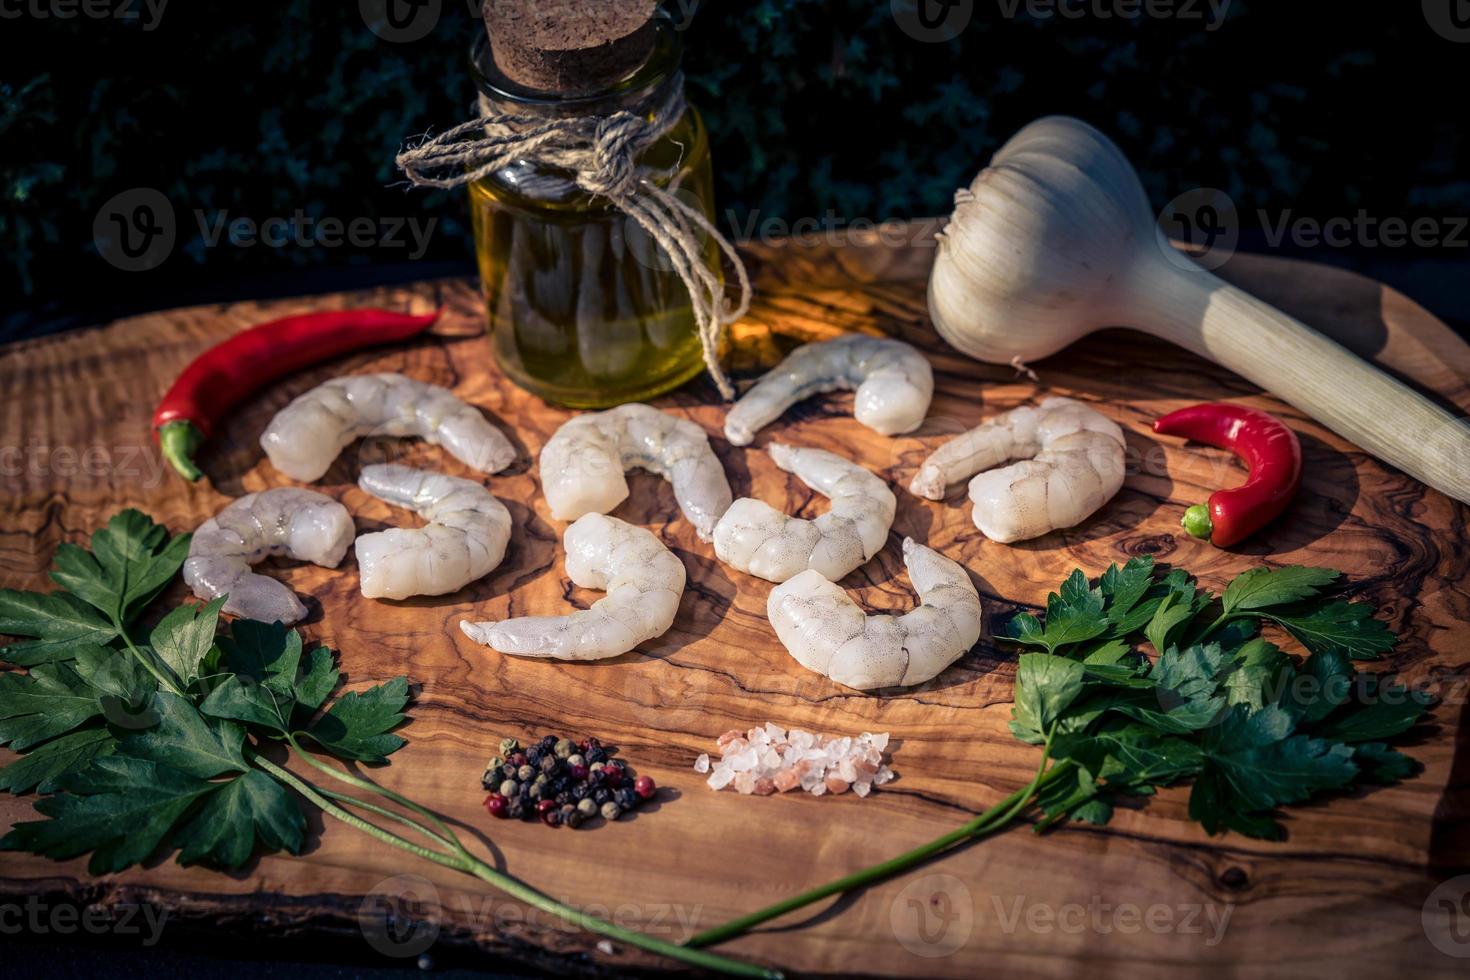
pixel 569 46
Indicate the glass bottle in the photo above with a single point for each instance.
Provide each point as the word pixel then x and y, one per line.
pixel 584 310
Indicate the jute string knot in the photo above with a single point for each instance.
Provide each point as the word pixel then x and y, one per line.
pixel 601 154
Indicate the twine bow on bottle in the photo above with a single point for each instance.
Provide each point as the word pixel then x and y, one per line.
pixel 601 153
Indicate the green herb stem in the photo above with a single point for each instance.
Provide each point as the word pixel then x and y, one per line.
pixel 383 811
pixel 160 674
pixel 468 864
pixel 358 782
pixel 993 819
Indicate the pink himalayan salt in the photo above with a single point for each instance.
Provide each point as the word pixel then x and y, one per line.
pixel 768 759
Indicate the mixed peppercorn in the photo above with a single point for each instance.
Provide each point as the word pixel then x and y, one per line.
pixel 561 782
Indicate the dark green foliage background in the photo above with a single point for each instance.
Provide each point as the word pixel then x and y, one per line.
pixel 816 107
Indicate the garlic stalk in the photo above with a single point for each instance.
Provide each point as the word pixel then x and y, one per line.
pixel 1056 239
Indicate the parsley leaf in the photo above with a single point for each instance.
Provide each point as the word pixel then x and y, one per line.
pixel 121 810
pixel 266 653
pixel 131 561
pixel 1222 705
pixel 1123 589
pixel 356 726
pixel 1380 711
pixel 1261 588
pixel 223 833
pixel 185 637
pixel 187 741
pixel 57 623
pixel 49 701
pixel 1346 627
pixel 45 767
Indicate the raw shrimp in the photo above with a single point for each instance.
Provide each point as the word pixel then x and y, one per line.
pixel 300 524
pixel 306 436
pixel 827 632
pixel 582 464
pixel 643 580
pixel 894 384
pixel 756 538
pixel 1071 464
pixel 465 539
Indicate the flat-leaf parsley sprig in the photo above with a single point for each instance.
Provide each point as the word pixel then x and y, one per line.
pixel 147 745
pixel 1220 706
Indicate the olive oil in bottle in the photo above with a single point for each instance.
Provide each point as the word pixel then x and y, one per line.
pixel 584 308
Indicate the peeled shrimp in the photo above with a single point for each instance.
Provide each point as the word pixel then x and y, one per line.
pixel 756 538
pixel 894 384
pixel 582 464
pixel 290 521
pixel 1071 464
pixel 827 632
pixel 643 580
pixel 306 436
pixel 465 539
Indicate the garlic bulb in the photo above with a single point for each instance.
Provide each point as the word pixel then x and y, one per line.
pixel 1056 239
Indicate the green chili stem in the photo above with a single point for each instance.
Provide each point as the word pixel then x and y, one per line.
pixel 468 864
pixel 177 441
pixel 991 820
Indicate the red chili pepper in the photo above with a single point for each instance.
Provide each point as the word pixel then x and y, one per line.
pixel 227 372
pixel 1269 448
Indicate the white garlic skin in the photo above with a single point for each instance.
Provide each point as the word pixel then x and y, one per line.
pixel 1041 247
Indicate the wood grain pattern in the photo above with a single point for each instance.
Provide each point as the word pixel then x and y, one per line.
pixel 1341 896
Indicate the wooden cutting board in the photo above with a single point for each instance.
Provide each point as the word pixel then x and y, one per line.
pixel 1343 895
